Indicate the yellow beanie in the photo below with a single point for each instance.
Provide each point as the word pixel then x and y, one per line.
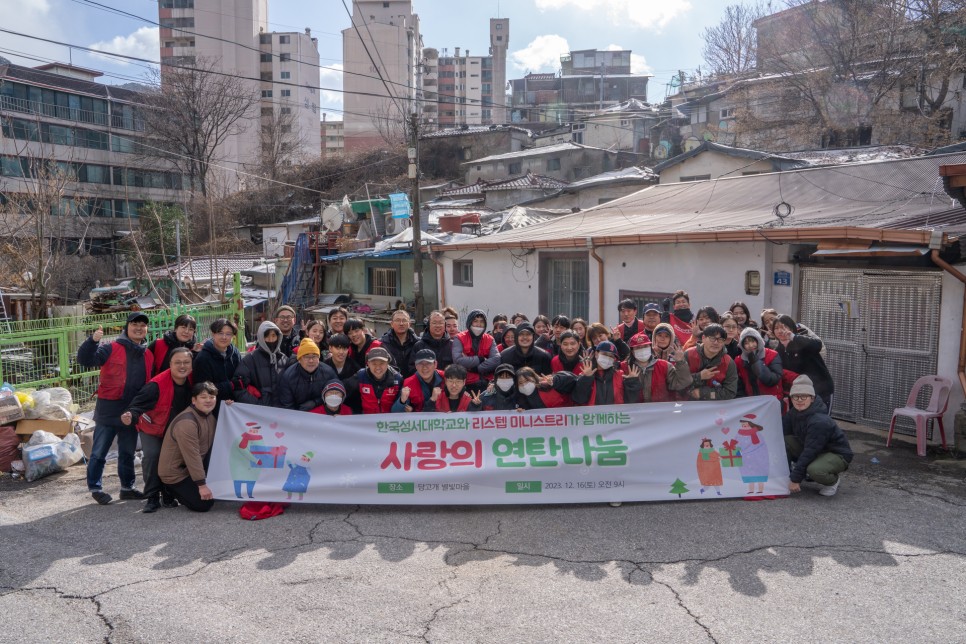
pixel 308 347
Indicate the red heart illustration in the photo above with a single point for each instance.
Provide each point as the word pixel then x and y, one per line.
pixel 718 421
pixel 725 430
pixel 279 434
pixel 273 425
pixel 258 462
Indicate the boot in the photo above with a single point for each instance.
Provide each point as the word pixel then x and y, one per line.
pixel 153 504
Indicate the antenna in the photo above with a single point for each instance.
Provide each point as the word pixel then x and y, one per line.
pixel 332 218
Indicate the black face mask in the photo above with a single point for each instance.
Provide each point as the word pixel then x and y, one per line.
pixel 272 346
pixel 685 315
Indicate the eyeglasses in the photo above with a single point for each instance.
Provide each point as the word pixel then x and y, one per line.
pixel 225 335
pixel 800 397
pixel 285 317
pixel 713 339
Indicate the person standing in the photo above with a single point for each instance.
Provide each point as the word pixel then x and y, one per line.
pixel 803 355
pixel 399 342
pixel 125 366
pixel 183 335
pixel 301 384
pixel 291 335
pixel 475 350
pixel 186 450
pixel 436 340
pixel 606 383
pixel 161 399
pixel 421 390
pixel 258 373
pixel 379 384
pixel 219 358
pixel 525 354
pixel 630 325
pixel 713 372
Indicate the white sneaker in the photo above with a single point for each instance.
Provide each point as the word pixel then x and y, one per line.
pixel 830 490
pixel 615 504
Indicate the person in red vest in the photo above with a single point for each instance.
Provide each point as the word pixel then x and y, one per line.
pixel 161 399
pixel 630 325
pixel 125 366
pixel 379 384
pixel 456 397
pixel 536 391
pixel 570 358
pixel 651 317
pixel 183 335
pixel 475 350
pixel 421 390
pixel 660 379
pixel 713 372
pixel 759 368
pixel 605 383
pixel 678 313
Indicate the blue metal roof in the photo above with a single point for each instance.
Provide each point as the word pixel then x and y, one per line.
pixel 368 253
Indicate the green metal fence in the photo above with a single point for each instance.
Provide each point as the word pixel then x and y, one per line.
pixel 43 353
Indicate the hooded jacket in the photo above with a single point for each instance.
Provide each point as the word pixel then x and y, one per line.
pixel 219 369
pixel 760 373
pixel 443 348
pixel 671 348
pixel 261 369
pixel 535 358
pixel 161 349
pixel 803 356
pixel 477 354
pixel 137 361
pixel 818 434
pixel 401 352
pixel 302 390
pixel 660 379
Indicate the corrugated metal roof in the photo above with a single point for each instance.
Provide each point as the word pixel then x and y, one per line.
pixel 567 146
pixel 475 129
pixel 370 253
pixel 42 78
pixel 201 269
pixel 844 201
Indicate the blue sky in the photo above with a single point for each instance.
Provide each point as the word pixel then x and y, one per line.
pixel 664 35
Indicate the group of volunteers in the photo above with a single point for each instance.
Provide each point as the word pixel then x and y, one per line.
pixel 168 392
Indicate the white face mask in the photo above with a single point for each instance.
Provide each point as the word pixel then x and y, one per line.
pixel 642 355
pixel 478 330
pixel 333 401
pixel 605 362
pixel 505 384
pixel 527 388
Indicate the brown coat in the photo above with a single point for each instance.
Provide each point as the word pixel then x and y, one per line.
pixel 186 444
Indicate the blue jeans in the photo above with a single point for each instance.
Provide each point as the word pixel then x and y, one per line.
pixel 127 440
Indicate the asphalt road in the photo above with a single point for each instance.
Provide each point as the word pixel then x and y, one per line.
pixel 884 560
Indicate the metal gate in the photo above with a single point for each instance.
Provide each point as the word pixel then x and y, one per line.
pixel 881 333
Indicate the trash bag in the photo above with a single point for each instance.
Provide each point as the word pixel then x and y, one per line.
pixel 39 399
pixel 60 405
pixel 40 437
pixel 45 458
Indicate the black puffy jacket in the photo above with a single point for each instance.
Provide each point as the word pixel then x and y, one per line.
pixel 302 390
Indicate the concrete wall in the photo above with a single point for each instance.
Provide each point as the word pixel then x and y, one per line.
pixel 950 324
pixel 574 164
pixel 589 197
pixel 714 164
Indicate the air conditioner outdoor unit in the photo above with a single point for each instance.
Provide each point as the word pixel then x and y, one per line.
pixel 396 226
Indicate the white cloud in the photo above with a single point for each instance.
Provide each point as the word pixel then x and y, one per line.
pixel 638 63
pixel 330 76
pixel 542 54
pixel 648 14
pixel 143 43
pixel 31 17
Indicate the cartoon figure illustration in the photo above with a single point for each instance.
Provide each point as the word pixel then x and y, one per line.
pixel 754 452
pixel 709 467
pixel 242 465
pixel 298 477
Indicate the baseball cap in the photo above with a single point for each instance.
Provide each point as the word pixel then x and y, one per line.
pixel 424 355
pixel 378 353
pixel 651 306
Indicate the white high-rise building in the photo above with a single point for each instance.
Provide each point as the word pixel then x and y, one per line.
pixel 384 40
pixel 281 68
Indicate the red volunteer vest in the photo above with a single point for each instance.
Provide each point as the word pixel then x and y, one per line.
pixel 763 390
pixel 114 372
pixel 155 422
pixel 373 405
pixel 694 363
pixel 618 384
pixel 638 327
pixel 557 365
pixel 659 391
pixel 416 399
pixel 442 403
pixel 159 349
pixel 486 343
pixel 681 329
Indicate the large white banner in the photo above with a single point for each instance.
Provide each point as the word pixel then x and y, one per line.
pixel 644 452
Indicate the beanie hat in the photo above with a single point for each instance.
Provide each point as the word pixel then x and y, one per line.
pixel 639 340
pixel 802 385
pixel 284 307
pixel 335 385
pixel 606 346
pixel 309 455
pixel 308 347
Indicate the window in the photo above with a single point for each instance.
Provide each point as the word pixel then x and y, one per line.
pixel 264 39
pixel 267 76
pixel 499 38
pixel 178 23
pixel 266 93
pixel 286 110
pixel 463 273
pixel 553 164
pixel 644 297
pixel 383 279
pixel 565 284
pixel 515 168
pixel 284 58
pixel 265 58
pixel 385 5
pixel 286 92
pixel 177 4
pixel 284 40
pixel 728 113
pixel 286 75
pixel 286 129
pixel 696 177
pixel 266 111
pixel 499 26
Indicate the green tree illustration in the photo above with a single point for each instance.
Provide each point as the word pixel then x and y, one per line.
pixel 679 488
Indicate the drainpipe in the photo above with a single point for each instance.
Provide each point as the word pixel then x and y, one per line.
pixel 938 261
pixel 442 275
pixel 600 278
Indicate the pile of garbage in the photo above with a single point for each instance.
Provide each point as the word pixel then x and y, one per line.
pixel 37 432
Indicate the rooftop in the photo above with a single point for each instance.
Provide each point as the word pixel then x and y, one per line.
pixel 557 148
pixel 38 77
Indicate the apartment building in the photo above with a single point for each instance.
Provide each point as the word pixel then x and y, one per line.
pixel 58 125
pixel 280 67
pixel 466 90
pixel 333 138
pixel 383 48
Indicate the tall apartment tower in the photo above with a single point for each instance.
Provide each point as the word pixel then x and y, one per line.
pixel 499 42
pixel 384 40
pixel 233 37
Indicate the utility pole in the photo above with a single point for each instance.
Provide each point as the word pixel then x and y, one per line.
pixel 414 217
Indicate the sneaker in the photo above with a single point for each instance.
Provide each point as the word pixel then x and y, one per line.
pixel 830 490
pixel 131 495
pixel 168 501
pixel 101 497
pixel 615 504
pixel 153 505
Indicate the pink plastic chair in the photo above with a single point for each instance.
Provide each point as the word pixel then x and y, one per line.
pixel 938 401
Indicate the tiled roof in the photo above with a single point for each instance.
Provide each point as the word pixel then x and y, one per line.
pixel 201 269
pixel 567 146
pixel 858 201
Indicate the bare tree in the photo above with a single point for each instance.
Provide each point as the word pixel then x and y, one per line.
pixel 280 141
pixel 940 27
pixel 391 123
pixel 192 112
pixel 730 46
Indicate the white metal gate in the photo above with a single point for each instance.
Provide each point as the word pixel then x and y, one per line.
pixel 881 332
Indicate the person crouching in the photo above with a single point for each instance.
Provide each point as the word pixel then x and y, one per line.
pixel 815 441
pixel 186 450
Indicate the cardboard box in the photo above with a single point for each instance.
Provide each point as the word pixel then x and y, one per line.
pixel 10 409
pixel 57 427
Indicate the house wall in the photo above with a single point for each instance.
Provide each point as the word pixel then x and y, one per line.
pixel 714 164
pixel 950 324
pixel 589 197
pixel 353 280
pixel 574 165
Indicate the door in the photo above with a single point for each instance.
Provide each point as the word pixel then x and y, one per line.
pixel 881 333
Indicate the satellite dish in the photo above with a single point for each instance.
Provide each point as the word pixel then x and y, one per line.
pixel 332 218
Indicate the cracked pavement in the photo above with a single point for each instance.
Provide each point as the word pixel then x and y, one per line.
pixel 883 560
